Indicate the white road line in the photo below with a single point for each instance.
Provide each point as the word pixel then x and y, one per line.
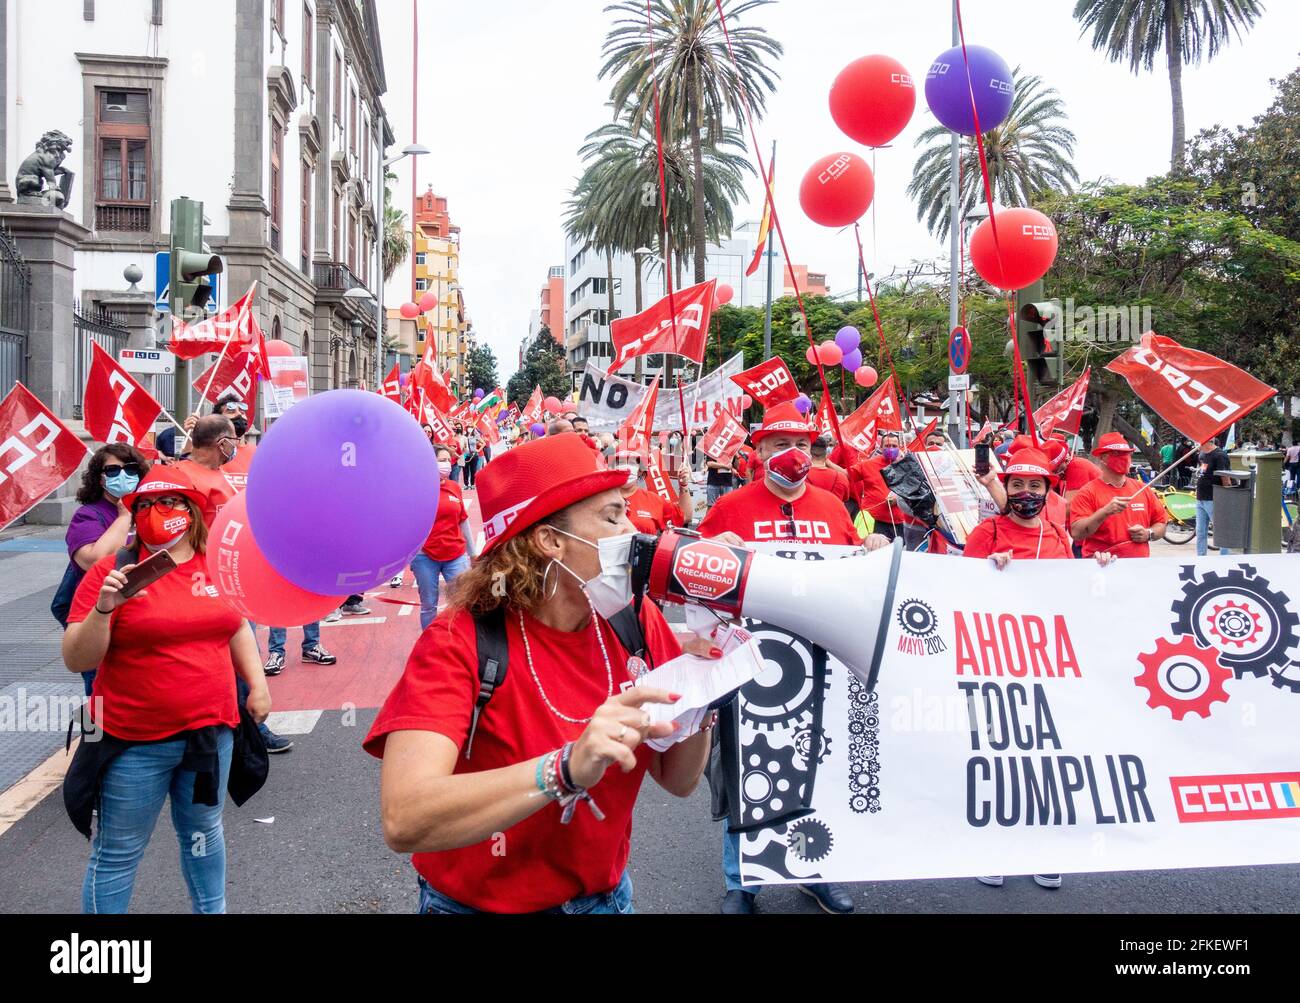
pixel 32 789
pixel 293 722
pixel 406 611
pixel 355 620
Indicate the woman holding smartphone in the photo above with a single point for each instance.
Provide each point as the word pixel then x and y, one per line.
pixel 164 699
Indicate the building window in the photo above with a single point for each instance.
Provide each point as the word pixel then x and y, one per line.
pixel 338 88
pixel 308 45
pixel 306 216
pixel 277 184
pixel 122 198
pixel 338 223
pixel 421 285
pixel 277 17
pixel 419 258
pixel 352 242
pixel 365 149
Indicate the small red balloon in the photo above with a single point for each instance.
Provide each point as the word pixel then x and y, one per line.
pixel 830 353
pixel 1028 242
pixel 866 377
pixel 811 355
pixel 873 99
pixel 410 310
pixel 837 190
pixel 746 401
pixel 427 302
pixel 725 295
pixel 552 404
pixel 276 347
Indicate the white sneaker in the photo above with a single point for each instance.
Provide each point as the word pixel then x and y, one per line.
pixel 992 880
pixel 396 583
pixel 1047 880
pixel 334 617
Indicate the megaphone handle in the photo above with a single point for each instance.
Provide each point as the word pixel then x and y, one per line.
pixel 883 629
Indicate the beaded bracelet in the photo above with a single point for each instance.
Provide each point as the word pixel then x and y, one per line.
pixel 545 776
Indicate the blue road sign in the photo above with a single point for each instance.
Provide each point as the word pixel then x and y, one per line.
pixel 162 283
pixel 959 350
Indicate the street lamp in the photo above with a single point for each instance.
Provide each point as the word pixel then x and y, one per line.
pixel 414 150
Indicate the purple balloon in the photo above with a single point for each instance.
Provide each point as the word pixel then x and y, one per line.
pixel 478 395
pixel 803 404
pixel 345 490
pixel 537 429
pixel 403 379
pixel 848 338
pixel 853 361
pixel 948 93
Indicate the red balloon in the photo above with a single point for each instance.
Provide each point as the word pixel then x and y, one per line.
pixel 276 347
pixel 552 404
pixel 866 377
pixel 1028 243
pixel 873 99
pixel 725 295
pixel 247 582
pixel 410 310
pixel 830 353
pixel 811 355
pixel 427 302
pixel 837 190
pixel 746 401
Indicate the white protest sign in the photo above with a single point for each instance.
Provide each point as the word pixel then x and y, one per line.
pixel 607 401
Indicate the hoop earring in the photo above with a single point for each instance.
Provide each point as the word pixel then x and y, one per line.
pixel 545 574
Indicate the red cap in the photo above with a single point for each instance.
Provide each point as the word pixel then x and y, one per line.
pixel 530 482
pixel 166 479
pixel 1056 451
pixel 1112 442
pixel 782 418
pixel 1022 442
pixel 1028 463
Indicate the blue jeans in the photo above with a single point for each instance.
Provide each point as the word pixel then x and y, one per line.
pixel 131 796
pixel 1204 516
pixel 426 571
pixel 617 901
pixel 715 491
pixel 278 635
pixel 731 861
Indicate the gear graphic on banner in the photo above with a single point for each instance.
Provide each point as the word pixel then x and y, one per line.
pixel 1240 616
pixel 917 618
pixel 1287 678
pixel 783 693
pixel 770 783
pixel 810 839
pixel 1184 677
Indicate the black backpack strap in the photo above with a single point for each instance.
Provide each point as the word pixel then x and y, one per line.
pixel 493 660
pixel 627 628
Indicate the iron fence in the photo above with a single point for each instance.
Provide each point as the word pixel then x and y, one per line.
pixel 94 325
pixel 15 312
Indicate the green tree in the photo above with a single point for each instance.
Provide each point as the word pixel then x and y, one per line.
pixel 1137 31
pixel 699 87
pixel 543 366
pixel 1029 154
pixel 481 369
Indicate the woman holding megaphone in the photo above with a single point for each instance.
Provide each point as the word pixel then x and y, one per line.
pixel 514 744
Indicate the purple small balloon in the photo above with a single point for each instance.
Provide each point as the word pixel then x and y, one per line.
pixel 538 429
pixel 852 361
pixel 478 395
pixel 848 338
pixel 360 452
pixel 948 93
pixel 803 404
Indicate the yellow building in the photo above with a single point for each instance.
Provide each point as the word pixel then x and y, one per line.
pixel 437 270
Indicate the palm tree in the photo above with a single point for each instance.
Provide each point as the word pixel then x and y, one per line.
pixel 1030 153
pixel 698 84
pixel 397 240
pixel 1136 30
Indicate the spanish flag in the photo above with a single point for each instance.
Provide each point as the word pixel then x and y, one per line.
pixel 765 227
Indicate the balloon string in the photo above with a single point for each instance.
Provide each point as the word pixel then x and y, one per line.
pixel 776 217
pixel 1020 381
pixel 880 328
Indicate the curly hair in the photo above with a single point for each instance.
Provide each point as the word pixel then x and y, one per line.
pixel 512 574
pixel 92 478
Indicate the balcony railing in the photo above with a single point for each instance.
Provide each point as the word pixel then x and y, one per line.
pixel 335 275
pixel 122 218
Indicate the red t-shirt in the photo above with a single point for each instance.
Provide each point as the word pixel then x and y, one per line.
pixel 1079 472
pixel 445 542
pixel 651 514
pixel 748 465
pixel 844 455
pixel 830 479
pixel 236 471
pixel 545 862
pixel 869 485
pixel 1144 510
pixel 216 489
pixel 1002 533
pixel 754 514
pixel 168 667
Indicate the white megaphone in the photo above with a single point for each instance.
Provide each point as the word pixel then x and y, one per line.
pixel 841 605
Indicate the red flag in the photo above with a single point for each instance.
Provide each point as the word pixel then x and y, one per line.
pixel 769 383
pixel 1198 394
pixel 654 476
pixel 234 371
pixel 985 429
pixel 116 407
pixel 425 376
pixel 825 418
pixel 879 413
pixel 1065 410
pixel 637 430
pixel 533 409
pixel 392 386
pixel 37 453
pixel 724 438
pixel 443 435
pixel 764 227
pixel 234 326
pixel 917 445
pixel 654 330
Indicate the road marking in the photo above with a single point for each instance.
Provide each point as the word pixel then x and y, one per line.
pixel 406 611
pixel 32 789
pixel 354 621
pixel 293 722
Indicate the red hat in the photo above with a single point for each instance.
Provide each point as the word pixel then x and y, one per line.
pixel 1022 442
pixel 1056 451
pixel 1028 463
pixel 530 482
pixel 166 479
pixel 782 418
pixel 1112 442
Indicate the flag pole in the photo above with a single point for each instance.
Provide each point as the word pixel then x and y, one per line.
pixel 248 303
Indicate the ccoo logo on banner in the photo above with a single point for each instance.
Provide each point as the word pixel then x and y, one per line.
pixel 1054 717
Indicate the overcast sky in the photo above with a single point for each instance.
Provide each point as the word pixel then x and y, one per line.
pixel 509 90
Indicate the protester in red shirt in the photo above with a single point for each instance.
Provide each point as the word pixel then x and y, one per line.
pixel 646 510
pixel 873 495
pixel 823 475
pixel 747 462
pixel 450 546
pixel 213 444
pixel 781 507
pixel 1116 513
pixel 471 794
pixel 164 699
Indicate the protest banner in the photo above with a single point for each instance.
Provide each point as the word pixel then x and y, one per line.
pixel 607 401
pixel 289 384
pixel 961 501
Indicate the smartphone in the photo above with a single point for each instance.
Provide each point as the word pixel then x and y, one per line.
pixel 982 465
pixel 147 572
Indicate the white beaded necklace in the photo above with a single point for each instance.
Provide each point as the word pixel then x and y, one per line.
pixel 609 672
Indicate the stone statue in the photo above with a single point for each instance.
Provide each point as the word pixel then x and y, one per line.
pixel 42 176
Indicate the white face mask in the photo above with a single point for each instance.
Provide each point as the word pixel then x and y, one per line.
pixel 610 592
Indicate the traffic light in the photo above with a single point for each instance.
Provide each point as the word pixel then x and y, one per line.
pixel 191 261
pixel 1036 315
